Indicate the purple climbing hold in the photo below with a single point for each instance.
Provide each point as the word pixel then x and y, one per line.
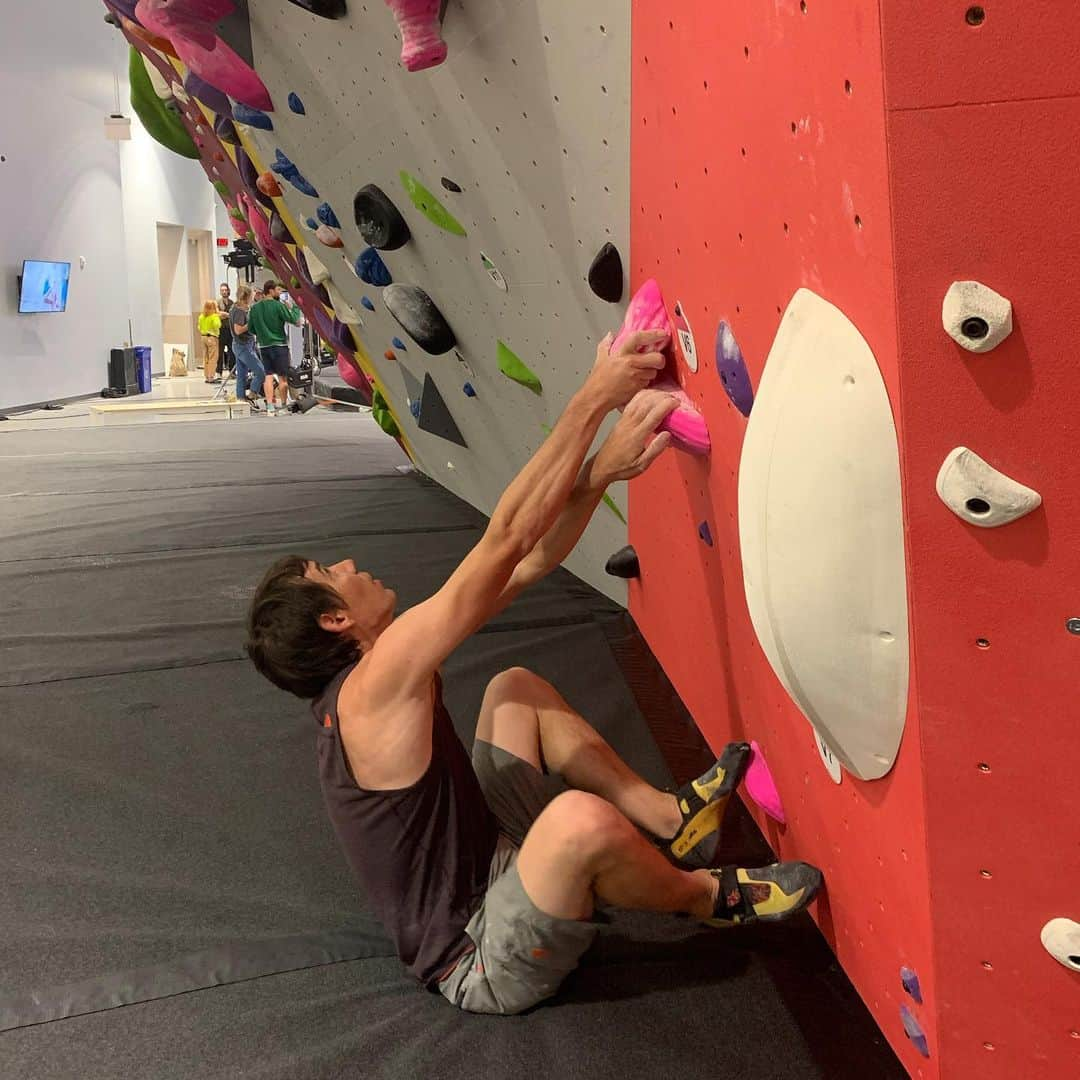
pixel 325 213
pixel 469 391
pixel 250 175
pixel 288 171
pixel 371 269
pixel 279 230
pixel 225 130
pixel 209 95
pixel 343 337
pixel 705 533
pixel 367 303
pixel 914 1031
pixel 297 105
pixel 910 982
pixel 256 118
pixel 732 369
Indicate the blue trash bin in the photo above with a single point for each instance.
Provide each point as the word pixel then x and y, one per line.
pixel 142 368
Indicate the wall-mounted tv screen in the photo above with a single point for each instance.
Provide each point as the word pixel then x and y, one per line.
pixel 43 286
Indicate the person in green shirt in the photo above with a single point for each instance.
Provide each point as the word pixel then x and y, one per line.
pixel 267 321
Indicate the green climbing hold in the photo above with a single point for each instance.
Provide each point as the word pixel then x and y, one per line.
pixel 294 282
pixel 512 366
pixel 221 188
pixel 430 206
pixel 380 412
pixel 161 123
pixel 610 502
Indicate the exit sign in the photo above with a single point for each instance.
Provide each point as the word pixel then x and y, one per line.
pixel 222 241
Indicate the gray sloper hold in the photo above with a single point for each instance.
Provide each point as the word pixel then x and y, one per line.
pixel 981 495
pixel 419 318
pixel 379 220
pixel 435 417
pixel 606 274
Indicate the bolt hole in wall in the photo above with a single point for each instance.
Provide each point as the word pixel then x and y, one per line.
pixel 979 507
pixel 975 15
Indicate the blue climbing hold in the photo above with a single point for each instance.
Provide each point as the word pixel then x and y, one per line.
pixel 288 171
pixel 414 408
pixel 398 344
pixel 469 391
pixel 910 982
pixel 325 213
pixel 256 118
pixel 704 532
pixel 732 370
pixel 914 1031
pixel 312 224
pixel 297 105
pixel 367 303
pixel 371 269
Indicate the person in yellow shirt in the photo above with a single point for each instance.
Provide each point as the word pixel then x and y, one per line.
pixel 210 329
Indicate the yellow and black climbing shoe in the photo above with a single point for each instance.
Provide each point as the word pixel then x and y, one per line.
pixel 702 803
pixel 764 895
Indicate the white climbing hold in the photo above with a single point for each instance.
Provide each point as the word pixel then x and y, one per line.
pixel 686 336
pixel 828 758
pixel 1061 939
pixel 975 317
pixel 979 494
pixel 316 267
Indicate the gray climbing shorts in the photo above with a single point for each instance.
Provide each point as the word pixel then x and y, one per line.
pixel 522 954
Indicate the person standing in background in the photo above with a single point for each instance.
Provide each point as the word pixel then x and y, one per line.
pixel 244 349
pixel 224 304
pixel 268 319
pixel 209 329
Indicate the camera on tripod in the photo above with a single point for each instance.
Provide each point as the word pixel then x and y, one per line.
pixel 242 255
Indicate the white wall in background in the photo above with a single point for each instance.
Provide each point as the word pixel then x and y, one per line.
pixel 67 192
pixel 159 187
pixel 60 199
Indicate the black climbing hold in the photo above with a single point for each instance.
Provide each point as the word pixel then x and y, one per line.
pixel 279 230
pixel 435 417
pixel 225 130
pixel 325 9
pixel 379 220
pixel 624 563
pixel 450 185
pixel 606 274
pixel 419 318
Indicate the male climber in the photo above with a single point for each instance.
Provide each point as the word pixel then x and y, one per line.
pixel 483 876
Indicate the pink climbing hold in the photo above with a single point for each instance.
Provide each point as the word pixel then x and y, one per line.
pixel 325 235
pixel 647 312
pixel 422 45
pixel 760 785
pixel 350 372
pixel 188 25
pixel 267 245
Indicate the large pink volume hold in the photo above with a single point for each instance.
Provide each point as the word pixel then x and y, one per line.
pixel 189 26
pixel 422 45
pixel 647 312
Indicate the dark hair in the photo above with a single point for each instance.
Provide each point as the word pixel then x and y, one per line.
pixel 268 285
pixel 285 641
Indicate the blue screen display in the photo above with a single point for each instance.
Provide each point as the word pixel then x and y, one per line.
pixel 44 286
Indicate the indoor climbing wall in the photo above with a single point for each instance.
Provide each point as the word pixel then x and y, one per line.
pixel 509 168
pixel 856 218
pixel 873 575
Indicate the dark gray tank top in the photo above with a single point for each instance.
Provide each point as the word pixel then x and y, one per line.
pixel 421 853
